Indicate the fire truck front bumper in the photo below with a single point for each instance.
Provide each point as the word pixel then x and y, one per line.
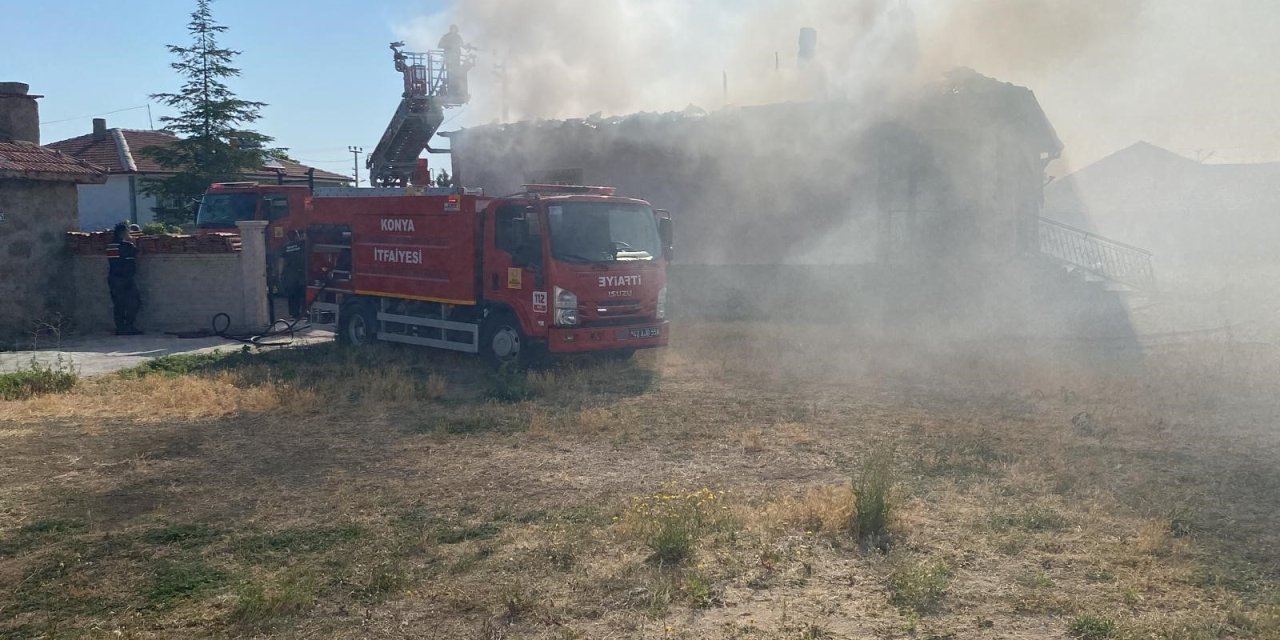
pixel 645 336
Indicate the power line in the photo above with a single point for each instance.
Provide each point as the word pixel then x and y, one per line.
pixel 94 115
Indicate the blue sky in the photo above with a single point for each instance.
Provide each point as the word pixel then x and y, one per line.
pixel 322 66
pixel 1195 77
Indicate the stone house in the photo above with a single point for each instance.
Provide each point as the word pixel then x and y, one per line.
pixel 916 216
pixel 38 203
pixel 953 172
pixel 121 197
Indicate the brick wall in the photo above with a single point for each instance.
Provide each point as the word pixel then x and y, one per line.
pixel 181 292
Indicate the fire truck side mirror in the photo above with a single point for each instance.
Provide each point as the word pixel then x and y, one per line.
pixel 666 229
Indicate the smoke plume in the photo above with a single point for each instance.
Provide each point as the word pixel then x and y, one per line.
pixel 567 58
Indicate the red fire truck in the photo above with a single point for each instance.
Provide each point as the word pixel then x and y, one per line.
pixel 554 268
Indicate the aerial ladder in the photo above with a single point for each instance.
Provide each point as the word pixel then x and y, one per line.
pixel 432 83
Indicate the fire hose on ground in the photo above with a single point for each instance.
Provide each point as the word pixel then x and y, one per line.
pixel 221 323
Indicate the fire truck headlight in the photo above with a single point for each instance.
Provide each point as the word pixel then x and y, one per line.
pixel 566 308
pixel 662 303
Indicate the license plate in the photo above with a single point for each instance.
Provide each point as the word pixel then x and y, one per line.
pixel 647 332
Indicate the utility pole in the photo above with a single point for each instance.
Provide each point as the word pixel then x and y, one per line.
pixel 355 161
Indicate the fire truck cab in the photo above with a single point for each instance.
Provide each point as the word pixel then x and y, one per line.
pixel 552 269
pixel 226 203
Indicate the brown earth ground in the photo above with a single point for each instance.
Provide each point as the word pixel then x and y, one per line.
pixel 323 492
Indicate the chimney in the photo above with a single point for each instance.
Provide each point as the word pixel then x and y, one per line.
pixel 808 44
pixel 19 113
pixel 99 129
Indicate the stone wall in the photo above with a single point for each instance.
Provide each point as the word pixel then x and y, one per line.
pixel 182 292
pixel 34 274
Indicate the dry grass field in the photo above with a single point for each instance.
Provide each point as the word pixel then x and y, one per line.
pixel 747 482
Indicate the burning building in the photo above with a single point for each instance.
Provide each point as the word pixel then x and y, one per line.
pixel 959 171
pixel 915 208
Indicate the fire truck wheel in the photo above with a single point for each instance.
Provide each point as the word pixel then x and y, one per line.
pixel 502 342
pixel 359 325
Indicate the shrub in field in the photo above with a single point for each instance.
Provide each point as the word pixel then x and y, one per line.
pixel 1030 518
pixel 824 509
pixel 40 532
pixel 919 586
pixel 873 489
pixel 670 522
pixel 175 581
pixel 701 591
pixel 518 602
pixel 1181 522
pixel 38 379
pixel 292 593
pixel 1091 627
pixel 186 535
pixel 382 580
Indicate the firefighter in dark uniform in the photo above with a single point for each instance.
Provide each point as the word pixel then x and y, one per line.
pixel 455 66
pixel 293 274
pixel 122 266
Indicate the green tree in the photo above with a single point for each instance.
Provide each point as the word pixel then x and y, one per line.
pixel 213 145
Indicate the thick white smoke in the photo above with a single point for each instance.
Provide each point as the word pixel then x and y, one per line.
pixel 570 58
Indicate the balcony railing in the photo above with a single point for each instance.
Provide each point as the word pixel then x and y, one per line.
pixel 1102 257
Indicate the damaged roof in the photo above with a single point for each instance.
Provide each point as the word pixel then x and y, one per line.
pixel 27 161
pixel 963 100
pixel 965 96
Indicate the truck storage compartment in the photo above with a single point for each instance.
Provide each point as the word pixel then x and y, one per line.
pixel 414 248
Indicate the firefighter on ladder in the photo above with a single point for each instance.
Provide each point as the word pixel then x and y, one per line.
pixel 122 266
pixel 455 66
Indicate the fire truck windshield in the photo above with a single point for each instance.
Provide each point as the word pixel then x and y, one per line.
pixel 603 232
pixel 223 210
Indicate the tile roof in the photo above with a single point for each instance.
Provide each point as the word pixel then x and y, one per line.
pixel 120 152
pixel 295 170
pixel 28 161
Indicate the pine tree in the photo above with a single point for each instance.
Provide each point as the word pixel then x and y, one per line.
pixel 212 146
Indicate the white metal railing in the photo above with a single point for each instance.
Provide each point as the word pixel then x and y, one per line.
pixel 1103 257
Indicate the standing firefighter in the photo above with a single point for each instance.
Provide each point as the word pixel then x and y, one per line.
pixel 292 269
pixel 455 66
pixel 451 43
pixel 122 266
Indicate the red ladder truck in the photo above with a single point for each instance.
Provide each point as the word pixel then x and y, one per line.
pixel 554 268
pixel 558 269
